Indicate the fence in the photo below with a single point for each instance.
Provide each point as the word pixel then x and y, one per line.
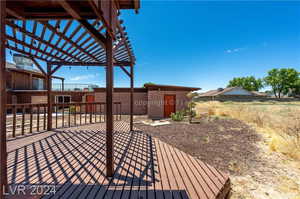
pixel 28 118
pixel 73 87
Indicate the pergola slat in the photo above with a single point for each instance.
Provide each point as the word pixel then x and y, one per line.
pixel 77 51
pixel 28 46
pixel 42 36
pixel 34 32
pixel 66 39
pixel 52 34
pixel 80 37
pixel 60 38
pixel 95 34
pixel 23 35
pixel 37 39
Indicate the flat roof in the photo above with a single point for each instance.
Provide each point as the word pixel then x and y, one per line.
pixel 122 89
pixel 170 87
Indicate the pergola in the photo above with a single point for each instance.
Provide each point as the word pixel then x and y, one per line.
pixel 66 33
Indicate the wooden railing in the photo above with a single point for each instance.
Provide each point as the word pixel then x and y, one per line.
pixel 28 118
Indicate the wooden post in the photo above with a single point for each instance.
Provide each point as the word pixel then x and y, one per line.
pixel 62 84
pixel 3 150
pixel 131 97
pixel 109 107
pixel 30 81
pixel 49 97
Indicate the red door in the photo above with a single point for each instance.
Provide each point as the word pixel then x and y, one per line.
pixel 90 99
pixel 169 105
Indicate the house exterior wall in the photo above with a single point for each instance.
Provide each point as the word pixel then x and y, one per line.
pixel 156 102
pixel 139 105
pixel 146 102
pixel 24 97
pixel 21 81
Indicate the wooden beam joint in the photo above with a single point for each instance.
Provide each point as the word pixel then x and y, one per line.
pixel 94 33
pixel 126 72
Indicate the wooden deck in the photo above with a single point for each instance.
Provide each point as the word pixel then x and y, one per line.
pixel 74 161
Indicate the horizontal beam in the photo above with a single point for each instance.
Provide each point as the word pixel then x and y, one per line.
pixel 56 77
pixel 71 9
pixel 89 63
pixel 44 13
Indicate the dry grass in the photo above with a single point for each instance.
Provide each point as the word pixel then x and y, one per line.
pixel 279 121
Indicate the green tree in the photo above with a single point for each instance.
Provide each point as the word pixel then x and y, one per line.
pixel 296 88
pixel 282 81
pixel 249 83
pixel 148 83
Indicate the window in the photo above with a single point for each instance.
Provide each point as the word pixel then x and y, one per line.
pixel 62 98
pixel 37 83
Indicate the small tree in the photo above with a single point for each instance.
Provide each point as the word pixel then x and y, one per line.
pixel 295 91
pixel 178 116
pixel 190 112
pixel 249 83
pixel 148 83
pixel 282 80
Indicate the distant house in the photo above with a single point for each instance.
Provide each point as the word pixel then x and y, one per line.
pixel 231 93
pixel 23 82
pixel 18 78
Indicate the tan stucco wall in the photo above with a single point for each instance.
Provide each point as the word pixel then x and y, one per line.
pixel 149 103
pixel 156 102
pixel 140 101
pixel 39 99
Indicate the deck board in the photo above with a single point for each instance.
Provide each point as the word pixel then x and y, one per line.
pixel 73 160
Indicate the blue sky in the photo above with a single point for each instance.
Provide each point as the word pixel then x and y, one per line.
pixel 205 44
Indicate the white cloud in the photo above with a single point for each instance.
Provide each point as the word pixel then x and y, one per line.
pixel 83 77
pixel 234 50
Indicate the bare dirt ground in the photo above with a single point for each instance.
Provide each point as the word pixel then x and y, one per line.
pixel 232 146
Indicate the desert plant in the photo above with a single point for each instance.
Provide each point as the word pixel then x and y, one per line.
pixel 190 112
pixel 72 109
pixel 177 116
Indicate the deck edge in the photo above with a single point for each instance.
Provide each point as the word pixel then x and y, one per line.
pixel 225 191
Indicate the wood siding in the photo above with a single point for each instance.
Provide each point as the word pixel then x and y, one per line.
pixel 21 80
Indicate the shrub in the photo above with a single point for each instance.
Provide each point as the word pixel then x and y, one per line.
pixel 190 112
pixel 211 111
pixel 72 109
pixel 178 116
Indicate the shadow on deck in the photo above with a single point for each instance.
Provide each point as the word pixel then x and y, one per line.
pixel 71 163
